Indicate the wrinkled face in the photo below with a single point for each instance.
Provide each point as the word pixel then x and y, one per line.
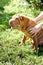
pixel 15 22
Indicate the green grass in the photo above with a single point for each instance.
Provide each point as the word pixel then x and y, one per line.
pixel 12 53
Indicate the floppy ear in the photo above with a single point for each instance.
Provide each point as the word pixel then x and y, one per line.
pixel 21 18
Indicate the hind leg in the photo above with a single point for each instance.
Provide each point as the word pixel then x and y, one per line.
pixel 36 44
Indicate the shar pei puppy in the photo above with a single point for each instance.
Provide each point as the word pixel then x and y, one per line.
pixel 30 28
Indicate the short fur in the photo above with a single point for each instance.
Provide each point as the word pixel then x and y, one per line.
pixel 29 27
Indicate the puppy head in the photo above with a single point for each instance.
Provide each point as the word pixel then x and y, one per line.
pixel 15 22
pixel 18 21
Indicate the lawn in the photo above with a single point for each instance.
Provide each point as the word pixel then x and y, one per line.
pixel 13 54
pixel 10 51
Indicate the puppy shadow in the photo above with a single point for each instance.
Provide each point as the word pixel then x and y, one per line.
pixel 40 52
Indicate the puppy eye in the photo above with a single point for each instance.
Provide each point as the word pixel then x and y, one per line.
pixel 16 18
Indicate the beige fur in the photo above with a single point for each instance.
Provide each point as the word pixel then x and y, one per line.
pixel 29 27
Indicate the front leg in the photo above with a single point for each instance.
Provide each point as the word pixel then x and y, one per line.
pixel 23 40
